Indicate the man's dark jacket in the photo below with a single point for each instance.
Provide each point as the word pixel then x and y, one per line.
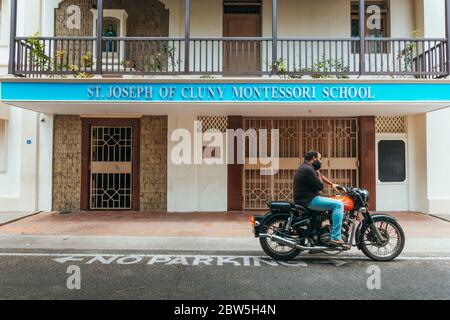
pixel 307 184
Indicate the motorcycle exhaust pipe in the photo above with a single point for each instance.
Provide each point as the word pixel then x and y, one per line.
pixel 293 244
pixel 283 241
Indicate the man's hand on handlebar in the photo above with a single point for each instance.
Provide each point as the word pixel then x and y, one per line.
pixel 340 189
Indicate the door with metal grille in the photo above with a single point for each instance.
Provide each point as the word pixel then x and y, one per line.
pixel 111 168
pixel 336 139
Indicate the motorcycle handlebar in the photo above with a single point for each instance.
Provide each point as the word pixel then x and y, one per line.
pixel 342 189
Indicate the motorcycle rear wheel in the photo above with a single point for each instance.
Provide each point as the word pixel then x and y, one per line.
pixel 391 249
pixel 273 249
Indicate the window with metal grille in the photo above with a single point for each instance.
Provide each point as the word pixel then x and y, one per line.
pixel 382 32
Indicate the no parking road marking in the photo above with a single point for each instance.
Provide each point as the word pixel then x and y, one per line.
pixel 185 260
pixel 194 260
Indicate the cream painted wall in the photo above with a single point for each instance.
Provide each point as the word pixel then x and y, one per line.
pixel 417 159
pixel 402 22
pixel 306 18
pixel 438 159
pixel 434 18
pixel 302 18
pixel 29 17
pixel 48 8
pixel 18 185
pixel 45 162
pixel 176 17
pixel 3 128
pixel 412 196
pixel 10 177
pixel 4 36
pixel 25 184
pixel 194 187
pixel 206 18
pixel 419 15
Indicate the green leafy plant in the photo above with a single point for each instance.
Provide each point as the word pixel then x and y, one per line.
pixel 280 67
pixel 320 70
pixel 38 57
pixel 44 62
pixel 87 60
pixel 406 55
pixel 324 66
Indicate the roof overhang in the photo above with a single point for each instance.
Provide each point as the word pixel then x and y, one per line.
pixel 241 96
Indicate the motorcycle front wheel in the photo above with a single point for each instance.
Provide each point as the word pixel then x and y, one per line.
pixel 272 248
pixel 391 247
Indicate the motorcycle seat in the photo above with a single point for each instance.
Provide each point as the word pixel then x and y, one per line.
pixel 288 206
pixel 302 208
pixel 280 206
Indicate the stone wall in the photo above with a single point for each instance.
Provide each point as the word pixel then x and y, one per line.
pixel 153 163
pixel 146 18
pixel 66 163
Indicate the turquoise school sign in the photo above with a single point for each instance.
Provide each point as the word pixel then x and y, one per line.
pixel 276 92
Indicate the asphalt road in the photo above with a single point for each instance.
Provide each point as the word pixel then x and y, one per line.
pixel 181 275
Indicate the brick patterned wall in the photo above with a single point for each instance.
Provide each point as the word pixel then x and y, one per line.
pixel 66 163
pixel 145 17
pixel 153 163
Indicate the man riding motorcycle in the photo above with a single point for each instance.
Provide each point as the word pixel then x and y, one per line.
pixel 308 184
pixel 288 228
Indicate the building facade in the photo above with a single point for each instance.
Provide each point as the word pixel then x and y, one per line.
pixel 96 94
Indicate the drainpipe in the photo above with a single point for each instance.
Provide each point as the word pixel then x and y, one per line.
pixel 99 41
pixel 447 33
pixel 274 36
pixel 362 37
pixel 12 38
pixel 187 35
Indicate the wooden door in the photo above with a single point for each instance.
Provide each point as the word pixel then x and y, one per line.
pixel 242 56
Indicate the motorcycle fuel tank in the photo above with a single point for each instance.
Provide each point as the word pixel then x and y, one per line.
pixel 348 202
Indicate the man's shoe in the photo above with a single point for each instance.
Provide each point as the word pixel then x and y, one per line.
pixel 341 244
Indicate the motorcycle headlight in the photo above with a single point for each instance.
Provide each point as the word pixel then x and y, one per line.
pixel 365 195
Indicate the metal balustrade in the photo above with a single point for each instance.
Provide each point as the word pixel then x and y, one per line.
pixel 250 56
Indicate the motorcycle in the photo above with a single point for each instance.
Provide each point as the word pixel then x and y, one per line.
pixel 288 229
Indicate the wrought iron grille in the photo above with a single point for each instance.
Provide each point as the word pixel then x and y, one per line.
pixel 336 139
pixel 111 168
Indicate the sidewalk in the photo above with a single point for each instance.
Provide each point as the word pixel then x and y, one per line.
pixel 163 224
pixel 9 217
pixel 178 231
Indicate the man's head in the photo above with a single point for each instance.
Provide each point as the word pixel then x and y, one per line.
pixel 314 157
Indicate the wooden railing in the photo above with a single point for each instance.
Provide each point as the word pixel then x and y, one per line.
pixel 295 57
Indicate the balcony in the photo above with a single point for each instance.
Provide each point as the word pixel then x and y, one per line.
pixel 261 56
pixel 296 57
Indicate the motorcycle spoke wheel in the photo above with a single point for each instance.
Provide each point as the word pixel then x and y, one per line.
pixel 274 246
pixel 386 248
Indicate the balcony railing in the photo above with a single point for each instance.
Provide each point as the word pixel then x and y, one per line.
pixel 295 57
